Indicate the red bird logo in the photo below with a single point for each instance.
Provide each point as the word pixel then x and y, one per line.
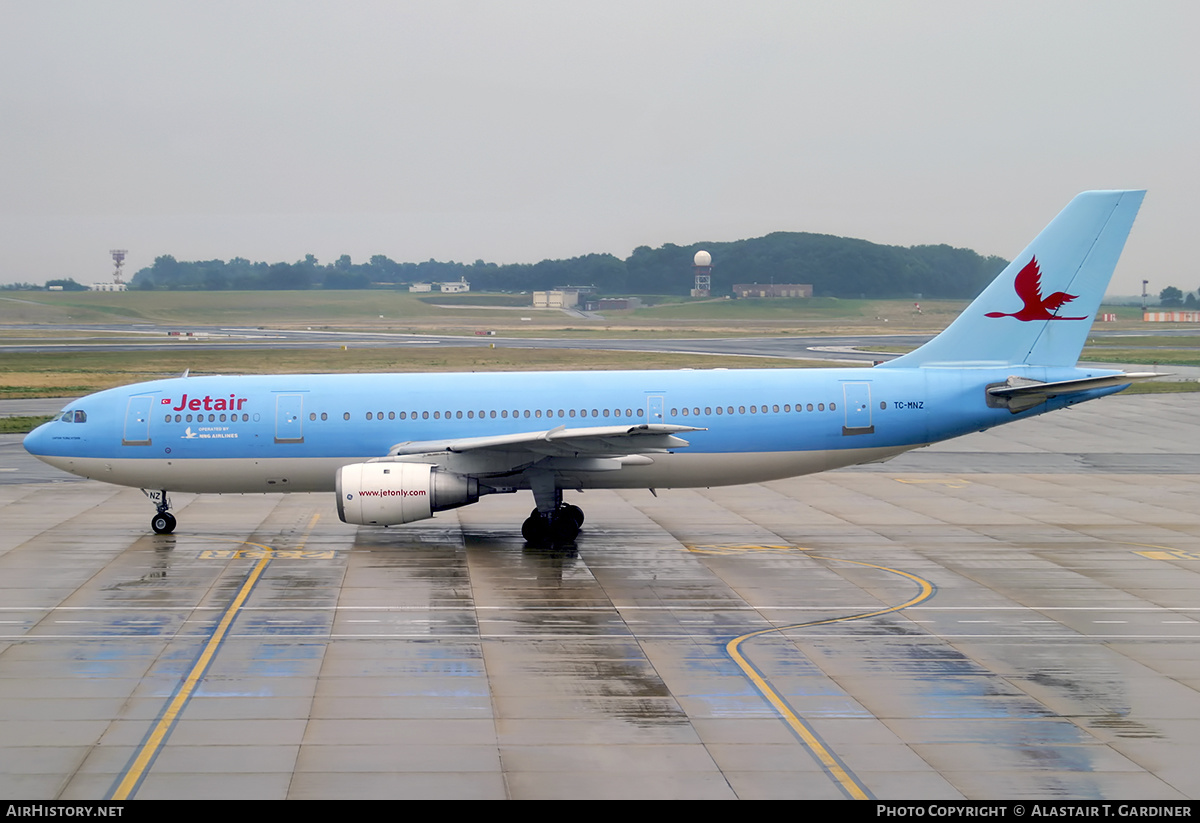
pixel 1028 286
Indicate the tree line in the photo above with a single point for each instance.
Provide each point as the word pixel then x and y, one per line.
pixel 1172 297
pixel 835 266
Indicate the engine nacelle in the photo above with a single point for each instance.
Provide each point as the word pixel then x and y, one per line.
pixel 383 494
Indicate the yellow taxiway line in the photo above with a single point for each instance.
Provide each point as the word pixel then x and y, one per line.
pixel 162 729
pixel 828 760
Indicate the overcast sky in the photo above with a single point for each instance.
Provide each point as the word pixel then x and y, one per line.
pixel 516 131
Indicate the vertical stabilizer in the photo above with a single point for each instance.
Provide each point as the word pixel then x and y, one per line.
pixel 1039 310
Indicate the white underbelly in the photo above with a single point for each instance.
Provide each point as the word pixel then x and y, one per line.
pixel 249 475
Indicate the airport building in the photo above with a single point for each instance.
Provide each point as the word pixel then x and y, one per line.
pixel 773 289
pixel 446 288
pixel 564 297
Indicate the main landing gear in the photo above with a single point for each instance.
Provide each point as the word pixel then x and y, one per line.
pixel 163 521
pixel 553 521
pixel 559 525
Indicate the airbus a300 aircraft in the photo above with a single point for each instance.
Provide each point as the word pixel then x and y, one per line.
pixel 396 448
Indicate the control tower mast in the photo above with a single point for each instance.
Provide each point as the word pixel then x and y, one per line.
pixel 118 256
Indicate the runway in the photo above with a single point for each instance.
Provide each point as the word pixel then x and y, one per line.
pixel 1009 615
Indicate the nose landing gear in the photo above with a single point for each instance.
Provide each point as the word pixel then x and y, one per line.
pixel 163 521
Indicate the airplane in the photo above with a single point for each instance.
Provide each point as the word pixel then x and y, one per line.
pixel 398 448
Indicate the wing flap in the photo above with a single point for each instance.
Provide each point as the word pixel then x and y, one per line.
pixel 594 448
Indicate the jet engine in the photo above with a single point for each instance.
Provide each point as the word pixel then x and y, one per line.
pixel 382 494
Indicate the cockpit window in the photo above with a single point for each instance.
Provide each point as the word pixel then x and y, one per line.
pixel 80 416
pixel 74 416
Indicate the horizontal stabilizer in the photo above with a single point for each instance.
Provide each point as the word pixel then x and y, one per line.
pixel 1019 393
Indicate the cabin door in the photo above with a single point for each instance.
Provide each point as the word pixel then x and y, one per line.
pixel 289 418
pixel 857 397
pixel 137 421
pixel 654 408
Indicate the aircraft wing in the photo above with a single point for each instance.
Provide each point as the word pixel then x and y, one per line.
pixel 594 448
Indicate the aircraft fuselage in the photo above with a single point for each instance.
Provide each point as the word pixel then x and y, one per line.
pixel 292 432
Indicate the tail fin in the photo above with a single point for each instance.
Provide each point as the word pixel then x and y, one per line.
pixel 1039 310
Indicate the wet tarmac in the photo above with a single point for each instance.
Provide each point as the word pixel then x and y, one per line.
pixel 1014 614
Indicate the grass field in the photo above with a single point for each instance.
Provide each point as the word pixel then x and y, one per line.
pixel 511 315
pixel 386 310
pixel 21 425
pixel 42 375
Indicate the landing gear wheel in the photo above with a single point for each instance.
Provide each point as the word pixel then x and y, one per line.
pixel 564 528
pixel 163 523
pixel 535 529
pixel 560 527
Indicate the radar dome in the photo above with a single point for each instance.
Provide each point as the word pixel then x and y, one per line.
pixel 702 258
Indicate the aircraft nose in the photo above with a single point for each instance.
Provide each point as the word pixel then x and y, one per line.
pixel 38 440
